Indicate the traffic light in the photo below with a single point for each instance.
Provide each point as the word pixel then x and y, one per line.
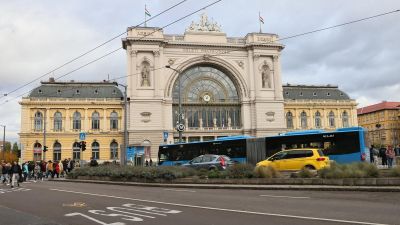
pixel 44 148
pixel 83 145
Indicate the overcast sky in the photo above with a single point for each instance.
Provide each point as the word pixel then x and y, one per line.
pixel 362 58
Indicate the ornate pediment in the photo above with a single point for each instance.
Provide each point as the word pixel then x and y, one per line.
pixel 204 25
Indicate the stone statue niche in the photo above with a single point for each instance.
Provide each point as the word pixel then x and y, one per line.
pixel 145 82
pixel 266 76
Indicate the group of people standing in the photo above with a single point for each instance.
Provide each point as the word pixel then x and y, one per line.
pixel 386 156
pixel 14 173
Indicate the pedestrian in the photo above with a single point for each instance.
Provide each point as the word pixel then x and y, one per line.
pixel 60 164
pixel 43 169
pixel 382 154
pixel 25 170
pixel 36 172
pixel 371 154
pixel 397 150
pixel 151 162
pixel 16 172
pixel 390 155
pixel 50 169
pixel 65 166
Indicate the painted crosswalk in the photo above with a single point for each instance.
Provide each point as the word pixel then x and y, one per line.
pixel 16 189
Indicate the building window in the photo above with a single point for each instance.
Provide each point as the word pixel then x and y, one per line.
pixel 57 151
pixel 38 121
pixel 95 150
pixel 331 119
pixel 37 152
pixel 317 119
pixel 314 94
pixel 76 151
pixel 114 150
pixel 114 121
pixel 57 121
pixel 345 119
pixel 95 121
pixel 76 124
pixel 289 120
pixel 303 120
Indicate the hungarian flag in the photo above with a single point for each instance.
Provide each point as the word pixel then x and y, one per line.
pixel 261 19
pixel 146 11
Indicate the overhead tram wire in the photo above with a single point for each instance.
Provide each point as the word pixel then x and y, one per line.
pixel 115 50
pixel 91 50
pixel 284 38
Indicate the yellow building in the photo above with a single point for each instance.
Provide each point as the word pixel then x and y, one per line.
pixel 382 122
pixel 55 113
pixel 318 107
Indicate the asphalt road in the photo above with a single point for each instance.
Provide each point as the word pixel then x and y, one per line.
pixel 78 203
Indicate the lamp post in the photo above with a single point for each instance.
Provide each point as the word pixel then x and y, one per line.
pixel 180 127
pixel 123 151
pixel 4 139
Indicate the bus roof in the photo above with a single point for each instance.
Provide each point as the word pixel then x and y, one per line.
pixel 228 138
pixel 304 132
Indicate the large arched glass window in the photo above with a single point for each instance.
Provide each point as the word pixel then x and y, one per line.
pixel 303 120
pixel 76 151
pixel 76 121
pixel 331 119
pixel 95 150
pixel 289 120
pixel 38 121
pixel 57 121
pixel 209 98
pixel 345 119
pixel 318 120
pixel 114 150
pixel 37 152
pixel 95 121
pixel 114 121
pixel 57 151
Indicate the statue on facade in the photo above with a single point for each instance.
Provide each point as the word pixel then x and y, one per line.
pixel 145 75
pixel 266 76
pixel 204 25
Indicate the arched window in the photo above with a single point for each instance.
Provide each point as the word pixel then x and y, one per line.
pixel 95 121
pixel 37 152
pixel 76 151
pixel 57 121
pixel 114 121
pixel 57 151
pixel 317 119
pixel 38 121
pixel 76 121
pixel 95 150
pixel 332 119
pixel 289 120
pixel 303 120
pixel 345 119
pixel 114 150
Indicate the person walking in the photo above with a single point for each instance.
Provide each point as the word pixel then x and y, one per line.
pixel 382 154
pixel 371 154
pixel 390 155
pixel 25 170
pixel 16 172
pixel 43 168
pixel 50 169
pixel 36 172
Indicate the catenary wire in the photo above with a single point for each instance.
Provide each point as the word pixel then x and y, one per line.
pixel 89 51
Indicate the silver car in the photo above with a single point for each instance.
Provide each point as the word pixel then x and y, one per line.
pixel 210 162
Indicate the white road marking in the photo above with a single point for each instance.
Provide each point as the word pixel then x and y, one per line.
pixel 282 196
pixel 222 209
pixel 179 190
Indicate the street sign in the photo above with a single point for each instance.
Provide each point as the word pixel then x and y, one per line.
pixel 165 135
pixel 180 127
pixel 82 136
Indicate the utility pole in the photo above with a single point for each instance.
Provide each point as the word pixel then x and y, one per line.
pixel 123 150
pixel 4 139
pixel 44 135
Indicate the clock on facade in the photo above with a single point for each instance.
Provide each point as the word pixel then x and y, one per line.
pixel 206 98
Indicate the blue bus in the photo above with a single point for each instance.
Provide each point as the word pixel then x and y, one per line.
pixel 344 145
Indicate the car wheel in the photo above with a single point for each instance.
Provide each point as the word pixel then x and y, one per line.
pixel 309 167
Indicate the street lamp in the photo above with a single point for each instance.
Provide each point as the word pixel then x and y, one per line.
pixel 4 139
pixel 123 151
pixel 180 127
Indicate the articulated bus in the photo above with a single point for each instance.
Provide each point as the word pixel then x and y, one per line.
pixel 344 145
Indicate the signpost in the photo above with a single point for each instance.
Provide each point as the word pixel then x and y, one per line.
pixel 82 136
pixel 165 136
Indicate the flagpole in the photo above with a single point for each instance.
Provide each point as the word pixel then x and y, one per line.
pixel 259 16
pixel 145 16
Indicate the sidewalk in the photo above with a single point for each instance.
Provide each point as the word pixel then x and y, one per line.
pixel 243 187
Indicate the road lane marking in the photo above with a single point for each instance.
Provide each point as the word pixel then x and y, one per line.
pixel 179 190
pixel 283 196
pixel 221 209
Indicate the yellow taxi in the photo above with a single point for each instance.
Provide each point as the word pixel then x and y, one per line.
pixel 297 159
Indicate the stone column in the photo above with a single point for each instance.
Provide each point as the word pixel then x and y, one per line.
pixel 67 126
pixel 86 121
pixel 105 126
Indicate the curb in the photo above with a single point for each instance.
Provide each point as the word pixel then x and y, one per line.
pixel 244 187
